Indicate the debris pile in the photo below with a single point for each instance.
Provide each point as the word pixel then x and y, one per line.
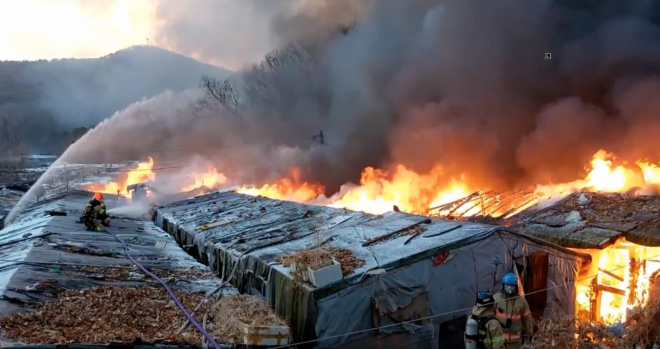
pixel 345 257
pixel 593 220
pixel 103 315
pixel 600 208
pixel 113 314
pixel 563 331
pixel 319 257
pixel 233 313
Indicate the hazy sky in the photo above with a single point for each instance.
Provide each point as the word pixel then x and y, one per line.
pixel 231 33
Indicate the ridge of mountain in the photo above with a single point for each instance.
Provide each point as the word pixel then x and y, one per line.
pixel 85 91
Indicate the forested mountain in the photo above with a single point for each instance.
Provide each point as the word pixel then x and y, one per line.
pixel 44 104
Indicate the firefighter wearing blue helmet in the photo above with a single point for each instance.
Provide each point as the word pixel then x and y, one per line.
pixel 513 312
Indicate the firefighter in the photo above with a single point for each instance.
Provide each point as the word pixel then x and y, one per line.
pixel 484 330
pixel 94 216
pixel 513 312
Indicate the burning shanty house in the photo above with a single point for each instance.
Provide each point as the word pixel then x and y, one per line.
pixel 336 275
pixel 619 232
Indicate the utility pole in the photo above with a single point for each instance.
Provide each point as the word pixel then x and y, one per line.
pixel 66 177
pixel 320 137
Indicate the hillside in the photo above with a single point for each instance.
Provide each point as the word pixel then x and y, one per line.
pixel 68 93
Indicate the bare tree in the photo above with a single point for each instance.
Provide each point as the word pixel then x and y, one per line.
pixel 269 82
pixel 222 92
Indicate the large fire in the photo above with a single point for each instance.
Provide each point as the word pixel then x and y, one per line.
pixel 432 193
pixel 286 189
pixel 623 274
pixel 211 179
pixel 603 177
pixel 142 173
pixel 380 191
pixel 623 271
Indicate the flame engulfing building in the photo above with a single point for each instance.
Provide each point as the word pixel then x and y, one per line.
pixel 396 267
pixel 620 232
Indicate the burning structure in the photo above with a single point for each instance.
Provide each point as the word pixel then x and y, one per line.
pixel 395 266
pixel 613 243
pixel 620 232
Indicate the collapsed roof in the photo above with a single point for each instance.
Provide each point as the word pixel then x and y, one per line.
pixel 594 220
pixel 489 207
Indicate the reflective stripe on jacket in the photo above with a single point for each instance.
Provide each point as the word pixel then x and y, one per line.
pixel 495 338
pixel 492 336
pixel 517 310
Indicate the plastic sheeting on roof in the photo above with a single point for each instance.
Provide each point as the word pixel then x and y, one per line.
pixel 271 228
pixel 448 260
pixel 69 257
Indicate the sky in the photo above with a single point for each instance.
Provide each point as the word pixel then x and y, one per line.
pixel 228 33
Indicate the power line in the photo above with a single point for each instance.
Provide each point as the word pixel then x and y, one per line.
pixel 450 312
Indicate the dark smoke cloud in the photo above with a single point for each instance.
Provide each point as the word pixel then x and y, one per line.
pixel 462 83
pixel 235 34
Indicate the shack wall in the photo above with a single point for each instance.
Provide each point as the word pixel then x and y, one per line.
pixel 443 287
pixel 295 303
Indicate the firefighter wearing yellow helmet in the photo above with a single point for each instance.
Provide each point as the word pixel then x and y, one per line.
pixel 94 216
pixel 513 312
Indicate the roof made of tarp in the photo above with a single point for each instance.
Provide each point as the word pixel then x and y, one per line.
pixel 594 220
pixel 42 253
pixel 268 229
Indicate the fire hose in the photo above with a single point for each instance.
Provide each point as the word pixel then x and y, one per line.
pixel 171 294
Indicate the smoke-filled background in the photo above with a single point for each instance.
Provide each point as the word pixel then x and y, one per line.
pixel 463 84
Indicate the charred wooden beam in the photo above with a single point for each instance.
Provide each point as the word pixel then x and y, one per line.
pixel 487 197
pixel 497 203
pixel 611 274
pixel 523 206
pixel 451 213
pixel 387 235
pixel 634 276
pixel 450 204
pixel 508 200
pixel 610 289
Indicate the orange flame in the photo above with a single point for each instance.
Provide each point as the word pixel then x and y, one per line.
pixel 143 173
pixel 211 179
pixel 380 191
pixel 604 177
pixel 406 189
pixel 286 189
pixel 619 288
